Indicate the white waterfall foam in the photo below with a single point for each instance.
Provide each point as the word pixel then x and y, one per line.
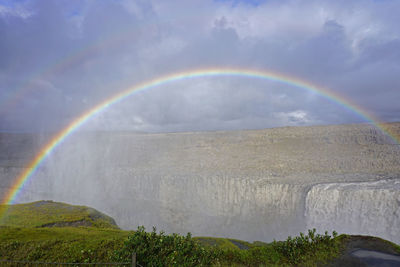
pixel 367 208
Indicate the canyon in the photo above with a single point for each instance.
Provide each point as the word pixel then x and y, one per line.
pixel 250 184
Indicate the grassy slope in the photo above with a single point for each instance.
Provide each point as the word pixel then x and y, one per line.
pixel 66 244
pixel 42 231
pixel 49 213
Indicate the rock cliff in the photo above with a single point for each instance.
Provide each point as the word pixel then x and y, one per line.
pixel 251 185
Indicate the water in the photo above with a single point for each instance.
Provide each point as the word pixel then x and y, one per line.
pixel 369 208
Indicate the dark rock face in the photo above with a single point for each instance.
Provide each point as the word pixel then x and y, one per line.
pixel 251 185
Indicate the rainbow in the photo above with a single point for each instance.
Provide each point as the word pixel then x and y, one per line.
pixel 167 79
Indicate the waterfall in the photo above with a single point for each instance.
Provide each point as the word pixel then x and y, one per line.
pixel 250 185
pixel 365 208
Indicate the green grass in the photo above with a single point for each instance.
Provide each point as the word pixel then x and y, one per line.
pixel 57 232
pixel 49 213
pixel 66 244
pixel 223 243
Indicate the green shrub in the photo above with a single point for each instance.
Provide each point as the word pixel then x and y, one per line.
pixel 297 249
pixel 154 249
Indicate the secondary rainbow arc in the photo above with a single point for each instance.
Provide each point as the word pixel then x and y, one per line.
pixel 209 72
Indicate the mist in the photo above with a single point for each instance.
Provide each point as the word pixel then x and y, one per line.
pixel 249 185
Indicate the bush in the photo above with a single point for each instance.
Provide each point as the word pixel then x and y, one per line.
pixel 296 249
pixel 154 249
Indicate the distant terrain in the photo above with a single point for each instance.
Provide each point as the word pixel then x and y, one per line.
pixel 250 185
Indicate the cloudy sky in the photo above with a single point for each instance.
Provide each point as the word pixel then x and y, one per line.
pixel 60 58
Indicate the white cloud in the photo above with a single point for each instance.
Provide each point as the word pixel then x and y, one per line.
pixel 15 10
pixel 297 117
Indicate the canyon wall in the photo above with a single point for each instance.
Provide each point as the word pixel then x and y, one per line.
pixel 252 185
